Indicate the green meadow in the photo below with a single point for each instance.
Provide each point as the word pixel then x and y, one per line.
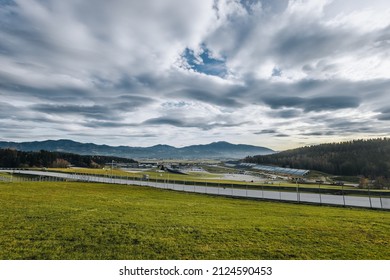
pixel 72 220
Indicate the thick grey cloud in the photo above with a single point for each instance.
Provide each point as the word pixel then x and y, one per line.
pixel 351 126
pixel 282 135
pixel 384 117
pixel 91 112
pixel 167 121
pixel 284 101
pixel 336 126
pixel 315 41
pixel 266 131
pixel 384 114
pixel 113 108
pixel 107 123
pixel 325 103
pixel 209 97
pixel 6 110
pixel 57 94
pixel 272 132
pixel 286 114
pixel 199 123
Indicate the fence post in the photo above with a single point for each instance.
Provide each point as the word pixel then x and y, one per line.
pixel 280 194
pixel 262 190
pixel 369 196
pixel 342 191
pixel 319 192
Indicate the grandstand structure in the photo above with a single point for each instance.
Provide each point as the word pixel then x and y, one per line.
pixel 275 169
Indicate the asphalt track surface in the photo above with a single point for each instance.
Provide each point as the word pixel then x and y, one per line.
pixel 299 197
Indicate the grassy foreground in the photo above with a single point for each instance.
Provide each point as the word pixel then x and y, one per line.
pixel 69 220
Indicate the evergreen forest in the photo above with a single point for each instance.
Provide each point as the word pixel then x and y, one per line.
pixel 10 158
pixel 369 158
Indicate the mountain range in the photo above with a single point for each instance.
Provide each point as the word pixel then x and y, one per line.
pixel 215 150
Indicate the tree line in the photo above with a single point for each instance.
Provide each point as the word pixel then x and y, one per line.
pixel 10 158
pixel 369 158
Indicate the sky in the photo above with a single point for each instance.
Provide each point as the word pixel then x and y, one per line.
pixel 274 73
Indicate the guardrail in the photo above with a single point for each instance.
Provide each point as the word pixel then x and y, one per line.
pixel 353 198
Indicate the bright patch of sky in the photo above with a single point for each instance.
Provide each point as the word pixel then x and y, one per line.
pixel 204 62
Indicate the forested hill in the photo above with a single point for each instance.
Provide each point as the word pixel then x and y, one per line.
pixel 11 158
pixel 370 158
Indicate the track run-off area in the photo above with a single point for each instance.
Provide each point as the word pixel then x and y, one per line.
pixel 298 195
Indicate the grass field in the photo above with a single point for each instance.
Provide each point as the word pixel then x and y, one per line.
pixel 70 220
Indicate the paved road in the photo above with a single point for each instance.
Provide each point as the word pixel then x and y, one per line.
pixel 348 200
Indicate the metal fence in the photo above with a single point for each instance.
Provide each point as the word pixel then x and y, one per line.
pixel 298 194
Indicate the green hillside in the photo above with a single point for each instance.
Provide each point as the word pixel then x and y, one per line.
pixel 370 158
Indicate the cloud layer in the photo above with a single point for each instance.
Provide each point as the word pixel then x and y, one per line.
pixel 274 73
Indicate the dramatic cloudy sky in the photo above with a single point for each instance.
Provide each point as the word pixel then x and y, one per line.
pixel 273 73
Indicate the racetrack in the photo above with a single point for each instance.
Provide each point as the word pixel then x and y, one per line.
pixel 300 196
